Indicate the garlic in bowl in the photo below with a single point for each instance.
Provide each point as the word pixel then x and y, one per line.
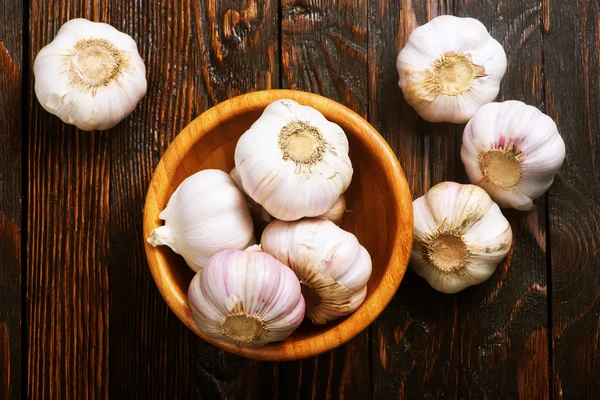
pixel 206 214
pixel 246 297
pixel 293 161
pixel 332 266
pixel 378 197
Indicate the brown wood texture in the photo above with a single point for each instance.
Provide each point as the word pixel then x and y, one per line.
pixel 67 238
pixel 11 190
pixel 481 342
pixel 197 53
pixel 572 97
pixel 87 321
pixel 503 324
pixel 324 51
pixel 141 326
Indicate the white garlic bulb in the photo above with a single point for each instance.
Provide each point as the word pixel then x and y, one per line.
pixel 246 297
pixel 449 68
pixel 513 151
pixel 332 266
pixel 205 215
pixel 293 161
pixel 460 236
pixel 90 75
pixel 335 214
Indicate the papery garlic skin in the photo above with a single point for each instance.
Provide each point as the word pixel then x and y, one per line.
pixel 293 161
pixel 246 297
pixel 205 215
pixel 513 151
pixel 336 213
pixel 460 236
pixel 332 266
pixel 449 68
pixel 256 210
pixel 90 75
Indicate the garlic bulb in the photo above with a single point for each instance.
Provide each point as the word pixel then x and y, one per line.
pixel 334 214
pixel 460 236
pixel 90 75
pixel 333 268
pixel 293 162
pixel 205 215
pixel 449 68
pixel 513 151
pixel 246 297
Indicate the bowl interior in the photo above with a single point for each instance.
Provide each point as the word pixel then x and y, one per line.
pixel 378 213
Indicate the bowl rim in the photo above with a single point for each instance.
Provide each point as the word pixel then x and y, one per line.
pixel 381 295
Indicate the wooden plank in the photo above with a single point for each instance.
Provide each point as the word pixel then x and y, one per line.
pixel 239 53
pixel 572 87
pixel 67 237
pixel 11 81
pixel 433 345
pixel 150 349
pixel 503 323
pixel 413 339
pixel 324 50
pixel 197 54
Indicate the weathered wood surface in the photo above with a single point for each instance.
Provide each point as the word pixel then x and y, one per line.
pixel 67 238
pixel 11 190
pixel 572 97
pixel 324 51
pixel 87 320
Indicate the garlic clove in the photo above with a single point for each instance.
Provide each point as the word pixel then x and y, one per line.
pixel 90 75
pixel 259 214
pixel 205 215
pixel 513 151
pixel 246 297
pixel 293 162
pixel 449 68
pixel 336 213
pixel 460 235
pixel 332 266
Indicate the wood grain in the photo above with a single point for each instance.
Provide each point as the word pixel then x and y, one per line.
pixel 502 322
pixel 449 345
pixel 238 53
pixel 413 340
pixel 11 81
pixel 67 238
pixel 324 51
pixel 572 89
pixel 197 54
pixel 97 327
pixel 158 348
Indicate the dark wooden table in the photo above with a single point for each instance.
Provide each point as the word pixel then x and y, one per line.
pixel 80 316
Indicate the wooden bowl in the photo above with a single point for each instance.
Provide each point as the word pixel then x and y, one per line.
pixel 378 202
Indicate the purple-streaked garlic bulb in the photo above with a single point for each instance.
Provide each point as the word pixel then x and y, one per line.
pixel 513 151
pixel 246 297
